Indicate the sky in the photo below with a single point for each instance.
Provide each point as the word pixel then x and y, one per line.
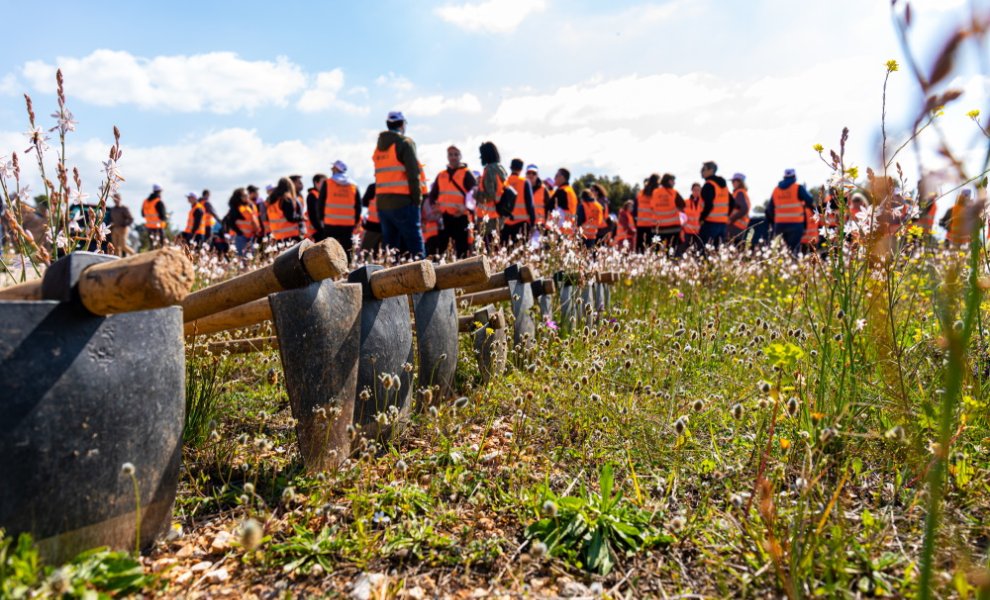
pixel 223 94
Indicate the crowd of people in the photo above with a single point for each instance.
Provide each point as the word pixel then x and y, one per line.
pixel 404 212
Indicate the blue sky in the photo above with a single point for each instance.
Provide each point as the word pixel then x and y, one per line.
pixel 221 94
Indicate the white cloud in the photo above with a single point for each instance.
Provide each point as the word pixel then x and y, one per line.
pixel 431 106
pixel 490 16
pixel 396 82
pixel 9 85
pixel 323 95
pixel 219 82
pixel 624 99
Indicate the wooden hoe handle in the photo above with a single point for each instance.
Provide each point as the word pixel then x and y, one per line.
pixel 296 267
pixel 139 282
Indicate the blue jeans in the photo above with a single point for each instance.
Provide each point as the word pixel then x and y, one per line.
pixel 243 244
pixel 712 233
pixel 401 230
pixel 792 234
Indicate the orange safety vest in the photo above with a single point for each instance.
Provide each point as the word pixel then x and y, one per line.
pixel 692 209
pixel 625 230
pixel 645 215
pixel 593 219
pixel 519 212
pixel 390 174
pixel 787 208
pixel 339 209
pixel 191 220
pixel 282 228
pixel 451 192
pixel 720 205
pixel 540 204
pixel 208 219
pixel 373 210
pixel 150 210
pixel 743 223
pixel 430 228
pixel 665 208
pixel 487 208
pixel 248 223
pixel 570 212
pixel 810 235
pixel 927 220
pixel 959 230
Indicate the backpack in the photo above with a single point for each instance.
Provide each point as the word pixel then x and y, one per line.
pixel 506 202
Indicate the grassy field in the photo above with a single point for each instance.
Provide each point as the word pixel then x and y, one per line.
pixel 728 428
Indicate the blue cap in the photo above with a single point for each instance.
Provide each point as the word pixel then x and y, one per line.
pixel 790 173
pixel 396 115
pixel 340 166
pixel 192 195
pixel 156 188
pixel 740 177
pixel 532 168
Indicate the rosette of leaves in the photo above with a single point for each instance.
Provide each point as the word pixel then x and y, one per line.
pixel 593 530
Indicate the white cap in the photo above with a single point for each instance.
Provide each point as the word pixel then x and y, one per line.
pixel 192 195
pixel 532 168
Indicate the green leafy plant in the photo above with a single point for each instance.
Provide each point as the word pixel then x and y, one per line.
pixel 204 390
pixel 94 574
pixel 594 530
pixel 306 549
pixel 20 568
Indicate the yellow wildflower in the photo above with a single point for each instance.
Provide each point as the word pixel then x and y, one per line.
pixel 818 148
pixel 892 66
pixel 973 114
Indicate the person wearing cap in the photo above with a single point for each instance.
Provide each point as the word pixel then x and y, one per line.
pixel 284 214
pixel 314 215
pixel 667 205
pixel 541 195
pixel 786 210
pixel 339 207
pixel 155 218
pixel 518 224
pixel 715 212
pixel 448 195
pixel 564 201
pixel 195 231
pixel 739 215
pixel 397 188
pixel 958 220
